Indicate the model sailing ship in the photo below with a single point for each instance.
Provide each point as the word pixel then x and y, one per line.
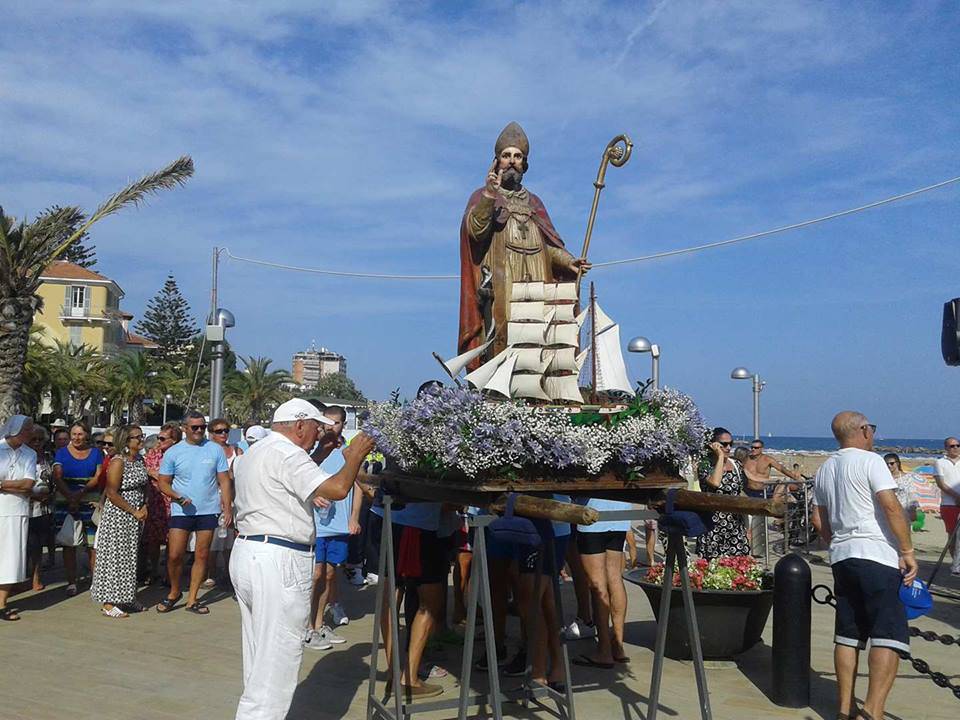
pixel 543 360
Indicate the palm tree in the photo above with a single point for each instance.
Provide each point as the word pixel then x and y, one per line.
pixel 251 392
pixel 134 377
pixel 38 371
pixel 26 249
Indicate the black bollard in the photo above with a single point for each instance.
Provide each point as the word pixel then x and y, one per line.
pixel 791 632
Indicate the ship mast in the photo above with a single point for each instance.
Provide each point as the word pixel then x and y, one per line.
pixel 593 342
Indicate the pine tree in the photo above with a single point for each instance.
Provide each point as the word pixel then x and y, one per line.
pixel 169 322
pixel 80 252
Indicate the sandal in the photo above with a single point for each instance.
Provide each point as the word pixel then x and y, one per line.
pixel 9 614
pixel 198 608
pixel 114 612
pixel 584 661
pixel 167 604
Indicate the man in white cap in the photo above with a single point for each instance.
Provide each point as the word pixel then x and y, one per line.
pixel 277 485
pixel 18 471
pixel 255 433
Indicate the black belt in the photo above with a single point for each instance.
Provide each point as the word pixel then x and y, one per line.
pixel 271 540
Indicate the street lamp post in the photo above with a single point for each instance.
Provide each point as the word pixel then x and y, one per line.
pixel 166 398
pixel 640 344
pixel 216 333
pixel 741 373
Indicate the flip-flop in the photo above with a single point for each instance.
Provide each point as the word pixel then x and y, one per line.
pixel 9 614
pixel 114 612
pixel 584 661
pixel 198 608
pixel 167 604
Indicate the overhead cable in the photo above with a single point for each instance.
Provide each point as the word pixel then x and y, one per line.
pixel 611 263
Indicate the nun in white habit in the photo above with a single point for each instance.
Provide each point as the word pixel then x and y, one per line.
pixel 18 472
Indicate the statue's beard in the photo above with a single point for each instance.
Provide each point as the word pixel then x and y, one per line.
pixel 511 179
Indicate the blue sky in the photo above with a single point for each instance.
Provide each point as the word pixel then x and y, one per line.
pixel 348 135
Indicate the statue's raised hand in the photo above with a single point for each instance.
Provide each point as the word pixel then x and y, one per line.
pixel 494 178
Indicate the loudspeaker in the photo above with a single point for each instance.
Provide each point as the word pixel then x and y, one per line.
pixel 950 336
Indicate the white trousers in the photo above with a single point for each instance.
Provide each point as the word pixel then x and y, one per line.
pixel 13 549
pixel 273 587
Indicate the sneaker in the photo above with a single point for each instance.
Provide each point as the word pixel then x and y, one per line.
pixel 372 578
pixel 315 641
pixel 328 635
pixel 355 577
pixel 579 630
pixel 338 616
pixel 518 666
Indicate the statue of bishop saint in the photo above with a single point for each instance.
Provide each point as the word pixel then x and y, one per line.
pixel 506 236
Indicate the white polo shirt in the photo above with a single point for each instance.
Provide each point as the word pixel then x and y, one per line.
pixel 274 482
pixel 949 472
pixel 846 486
pixel 16 464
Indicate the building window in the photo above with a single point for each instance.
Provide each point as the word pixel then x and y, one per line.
pixel 78 296
pixel 75 335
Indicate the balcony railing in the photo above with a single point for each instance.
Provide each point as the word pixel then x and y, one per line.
pixel 92 313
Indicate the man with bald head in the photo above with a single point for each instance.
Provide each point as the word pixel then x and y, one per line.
pixel 948 479
pixel 857 513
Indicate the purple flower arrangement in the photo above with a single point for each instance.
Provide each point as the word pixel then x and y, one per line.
pixel 458 431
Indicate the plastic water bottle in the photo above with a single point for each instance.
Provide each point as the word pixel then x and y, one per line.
pixel 323 513
pixel 221 529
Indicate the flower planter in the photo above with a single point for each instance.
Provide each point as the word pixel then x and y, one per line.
pixel 730 621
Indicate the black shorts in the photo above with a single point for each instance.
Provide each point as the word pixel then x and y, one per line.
pixel 38 530
pixel 868 605
pixel 593 543
pixel 194 523
pixel 422 557
pixel 527 556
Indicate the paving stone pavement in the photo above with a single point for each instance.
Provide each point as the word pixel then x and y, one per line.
pixel 64 660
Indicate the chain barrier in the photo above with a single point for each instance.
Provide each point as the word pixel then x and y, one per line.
pixel 921 666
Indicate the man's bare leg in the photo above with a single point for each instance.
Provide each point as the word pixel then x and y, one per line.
pixel 651 538
pixel 431 598
pixel 198 573
pixel 318 598
pixel 631 549
pixel 883 663
pixel 176 550
pixel 845 660
pixel 461 586
pixel 580 585
pixel 594 566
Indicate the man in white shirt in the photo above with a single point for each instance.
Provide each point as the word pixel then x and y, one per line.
pixel 948 479
pixel 277 486
pixel 18 472
pixel 858 514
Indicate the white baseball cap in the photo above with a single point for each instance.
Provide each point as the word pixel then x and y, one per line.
pixel 255 433
pixel 298 409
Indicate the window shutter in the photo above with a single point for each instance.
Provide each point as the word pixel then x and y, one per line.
pixel 67 299
pixel 86 300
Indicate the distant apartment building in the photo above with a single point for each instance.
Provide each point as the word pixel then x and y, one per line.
pixel 311 365
pixel 82 307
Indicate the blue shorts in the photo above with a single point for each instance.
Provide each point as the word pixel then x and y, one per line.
pixel 868 605
pixel 332 549
pixel 194 523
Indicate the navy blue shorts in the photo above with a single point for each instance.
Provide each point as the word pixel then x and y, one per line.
pixel 868 605
pixel 194 523
pixel 332 549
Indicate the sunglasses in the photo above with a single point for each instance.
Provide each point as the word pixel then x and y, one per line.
pixel 869 425
pixel 221 431
pixel 950 447
pixel 110 444
pixel 195 428
pixel 161 438
pixel 101 443
pixel 726 444
pixel 756 447
pixel 892 463
pixel 131 436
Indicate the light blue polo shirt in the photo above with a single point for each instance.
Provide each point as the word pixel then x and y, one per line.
pixel 608 525
pixel 423 515
pixel 334 520
pixel 194 469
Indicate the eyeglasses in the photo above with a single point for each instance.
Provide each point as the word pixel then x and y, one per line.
pixel 869 425
pixel 195 428
pixel 221 431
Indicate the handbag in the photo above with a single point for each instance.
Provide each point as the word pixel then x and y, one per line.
pixel 70 533
pixel 514 530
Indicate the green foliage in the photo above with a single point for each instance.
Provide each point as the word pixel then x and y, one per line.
pixel 80 252
pixel 169 322
pixel 337 385
pixel 135 377
pixel 251 394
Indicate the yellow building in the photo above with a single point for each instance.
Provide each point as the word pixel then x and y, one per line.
pixel 82 307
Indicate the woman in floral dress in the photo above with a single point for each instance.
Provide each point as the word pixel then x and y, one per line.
pixel 725 476
pixel 158 504
pixel 118 534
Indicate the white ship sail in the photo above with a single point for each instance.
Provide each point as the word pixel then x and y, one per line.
pixel 500 382
pixel 555 292
pixel 563 334
pixel 563 387
pixel 611 369
pixel 528 386
pixel 564 313
pixel 529 359
pixel 563 359
pixel 526 291
pixel 525 333
pixel 528 310
pixel 481 376
pixel 455 365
